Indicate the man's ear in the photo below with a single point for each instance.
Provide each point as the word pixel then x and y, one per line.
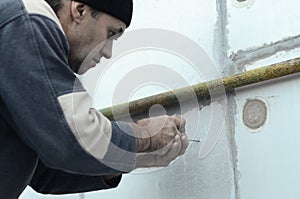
pixel 78 11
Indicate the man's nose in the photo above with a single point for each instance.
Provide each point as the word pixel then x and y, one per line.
pixel 107 49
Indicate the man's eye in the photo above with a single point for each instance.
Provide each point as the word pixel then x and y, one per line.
pixel 111 33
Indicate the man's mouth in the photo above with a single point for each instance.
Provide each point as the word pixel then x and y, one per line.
pixel 97 60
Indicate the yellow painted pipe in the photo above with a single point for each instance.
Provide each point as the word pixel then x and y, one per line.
pixel 204 90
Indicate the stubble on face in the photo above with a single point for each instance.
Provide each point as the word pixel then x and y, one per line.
pixel 89 33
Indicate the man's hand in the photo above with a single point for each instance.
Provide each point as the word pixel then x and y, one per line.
pixel 160 140
pixel 164 156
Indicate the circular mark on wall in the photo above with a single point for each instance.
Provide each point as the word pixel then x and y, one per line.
pixel 243 3
pixel 255 114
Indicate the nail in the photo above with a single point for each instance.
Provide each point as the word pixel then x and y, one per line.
pixel 194 140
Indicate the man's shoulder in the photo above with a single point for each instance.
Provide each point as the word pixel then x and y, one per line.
pixel 41 7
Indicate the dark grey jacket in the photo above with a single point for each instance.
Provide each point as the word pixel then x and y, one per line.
pixel 51 138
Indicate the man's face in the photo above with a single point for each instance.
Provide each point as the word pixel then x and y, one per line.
pixel 90 37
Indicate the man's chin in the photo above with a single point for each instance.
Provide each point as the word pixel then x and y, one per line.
pixel 84 69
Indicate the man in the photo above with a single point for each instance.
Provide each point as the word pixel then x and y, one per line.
pixel 51 138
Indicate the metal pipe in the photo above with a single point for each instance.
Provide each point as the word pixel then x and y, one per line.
pixel 204 90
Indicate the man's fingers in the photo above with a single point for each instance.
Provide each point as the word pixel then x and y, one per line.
pixel 172 154
pixel 178 140
pixel 165 155
pixel 180 123
pixel 165 149
pixel 174 151
pixel 184 144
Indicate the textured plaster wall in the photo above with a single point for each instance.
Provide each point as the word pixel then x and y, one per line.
pixel 263 33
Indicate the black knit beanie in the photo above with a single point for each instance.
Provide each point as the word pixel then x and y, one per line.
pixel 121 9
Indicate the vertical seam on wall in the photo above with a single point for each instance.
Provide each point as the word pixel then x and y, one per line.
pixel 227 67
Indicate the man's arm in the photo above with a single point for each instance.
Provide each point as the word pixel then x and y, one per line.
pixel 51 181
pixel 48 107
